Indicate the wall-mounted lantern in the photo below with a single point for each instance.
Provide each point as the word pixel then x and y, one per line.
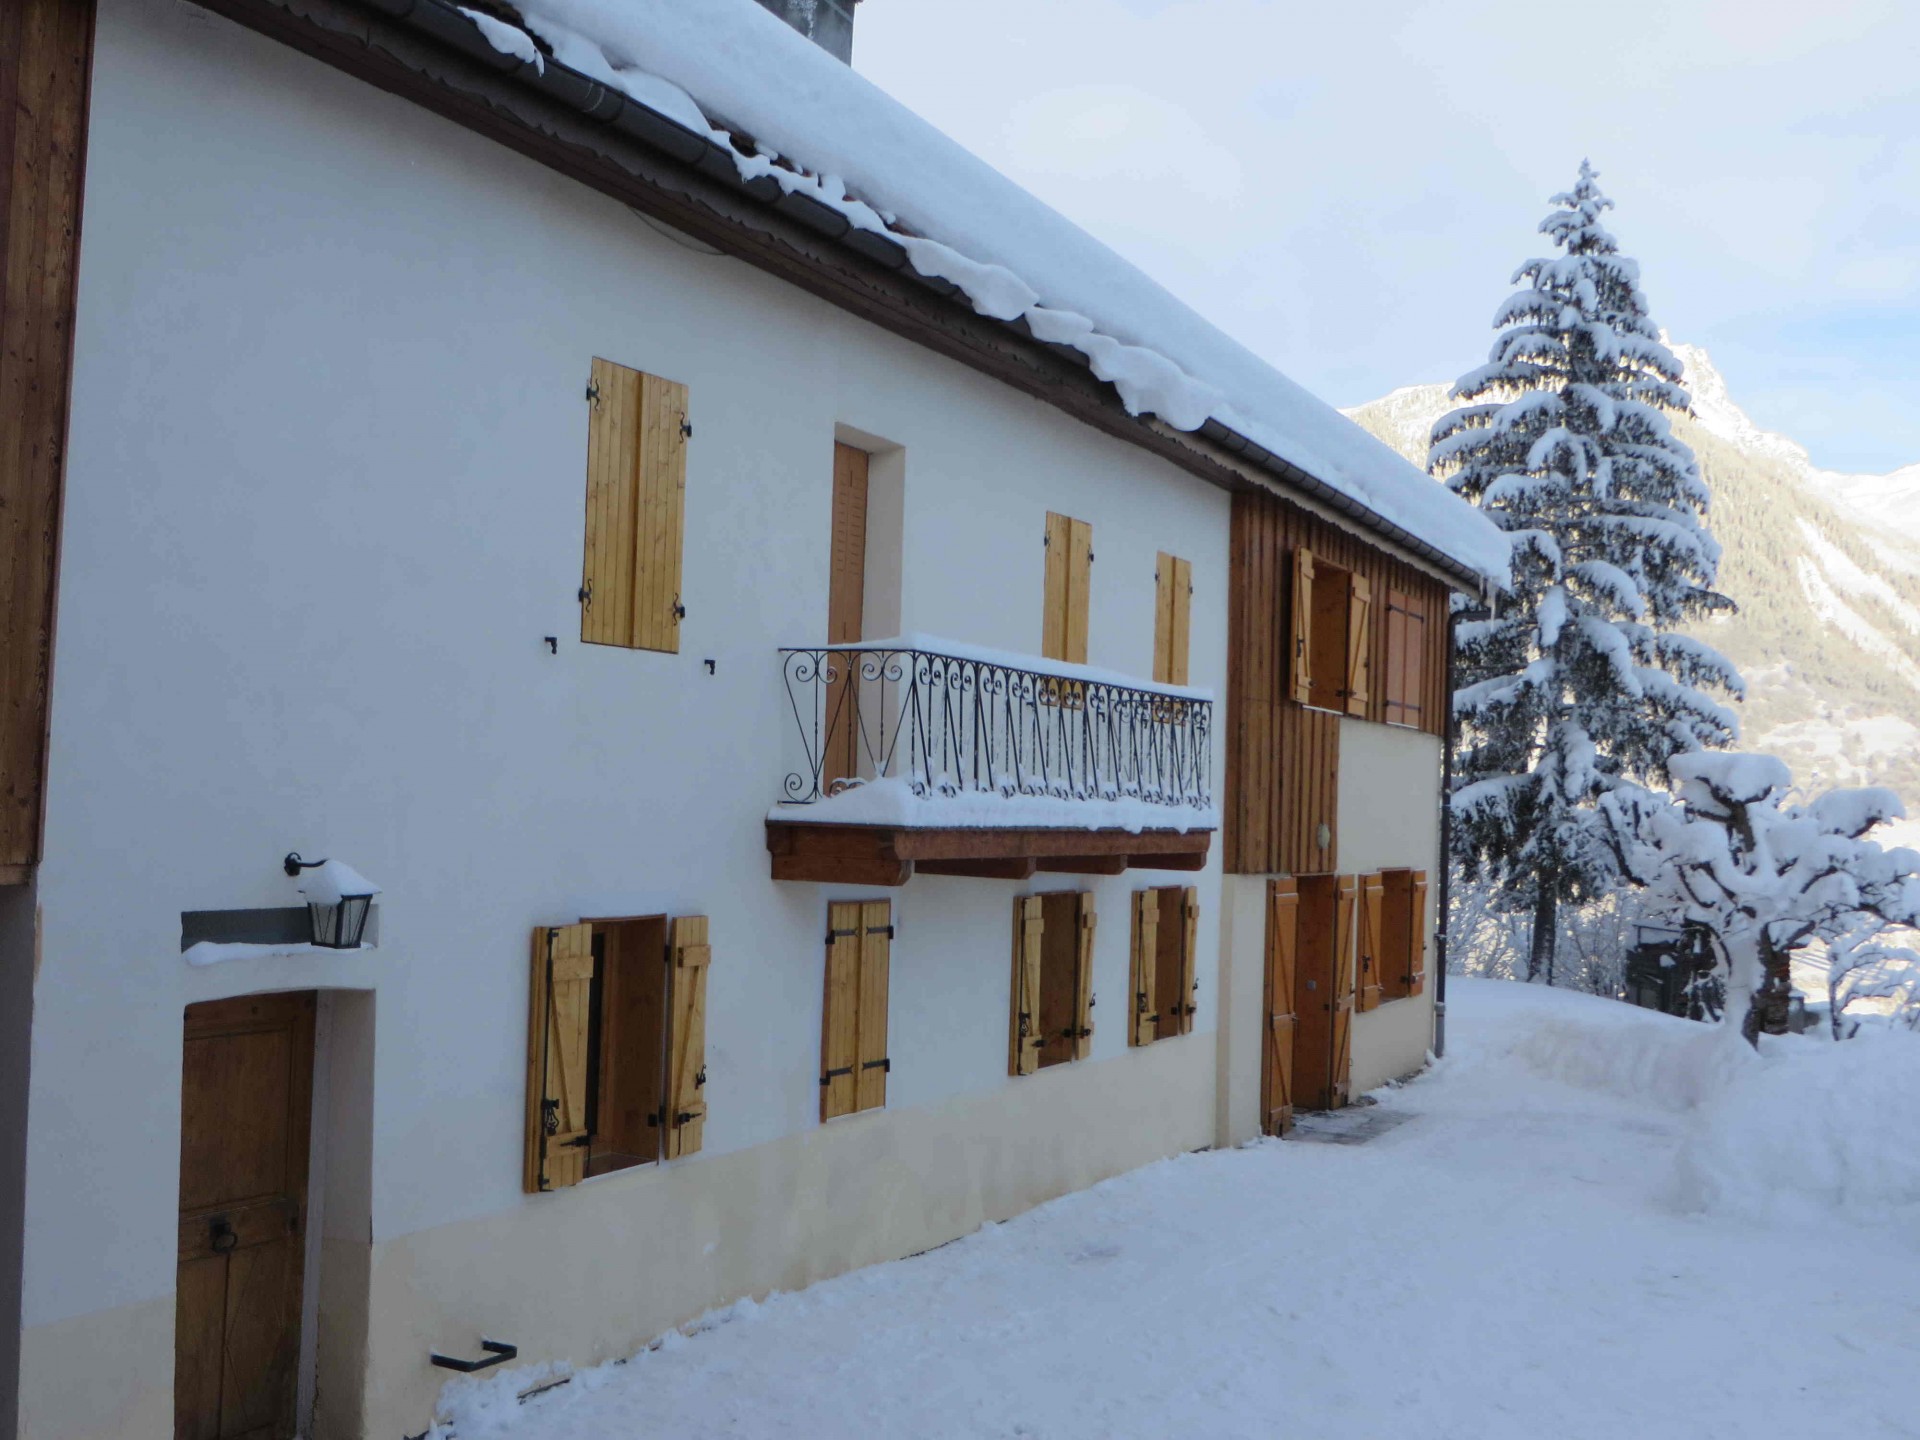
pixel 338 898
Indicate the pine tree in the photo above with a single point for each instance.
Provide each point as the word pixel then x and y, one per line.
pixel 1577 679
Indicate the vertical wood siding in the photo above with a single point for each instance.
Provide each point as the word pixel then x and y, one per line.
pixel 46 49
pixel 1283 759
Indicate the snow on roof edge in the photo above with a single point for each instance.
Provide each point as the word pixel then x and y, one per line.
pixel 878 164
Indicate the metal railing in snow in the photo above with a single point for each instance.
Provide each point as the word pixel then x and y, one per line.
pixel 954 724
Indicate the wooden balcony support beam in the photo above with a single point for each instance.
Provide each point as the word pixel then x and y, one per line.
pixel 888 855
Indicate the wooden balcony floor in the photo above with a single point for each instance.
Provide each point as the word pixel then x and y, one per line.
pixel 891 855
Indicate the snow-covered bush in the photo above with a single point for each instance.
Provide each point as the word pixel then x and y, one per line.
pixel 1765 874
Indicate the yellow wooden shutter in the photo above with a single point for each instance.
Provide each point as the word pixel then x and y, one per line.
pixel 1143 1022
pixel 1177 672
pixel 1189 945
pixel 558 1012
pixel 1024 1037
pixel 840 1015
pixel 1079 589
pixel 1083 979
pixel 1359 644
pixel 687 1035
pixel 1373 961
pixel 637 431
pixel 876 958
pixel 1053 620
pixel 1283 929
pixel 1417 936
pixel 1303 626
pixel 1172 612
pixel 1345 902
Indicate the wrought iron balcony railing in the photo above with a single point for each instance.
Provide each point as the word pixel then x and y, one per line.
pixel 949 723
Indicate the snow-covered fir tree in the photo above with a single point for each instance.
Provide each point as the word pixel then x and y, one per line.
pixel 1578 678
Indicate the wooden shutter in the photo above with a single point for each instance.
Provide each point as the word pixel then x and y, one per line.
pixel 1303 626
pixel 687 1036
pixel 1172 618
pixel 846 613
pixel 1373 961
pixel 1283 939
pixel 1359 644
pixel 637 432
pixel 1063 631
pixel 1024 1036
pixel 1143 1022
pixel 1405 684
pixel 840 1017
pixel 1344 904
pixel 876 961
pixel 558 1012
pixel 1417 936
pixel 1083 978
pixel 1189 945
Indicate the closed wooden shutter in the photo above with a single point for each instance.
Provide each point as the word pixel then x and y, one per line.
pixel 1189 946
pixel 846 613
pixel 1417 930
pixel 1025 1037
pixel 687 1038
pixel 1283 938
pixel 1373 958
pixel 1063 631
pixel 1359 644
pixel 1143 1022
pixel 1303 626
pixel 1345 902
pixel 637 432
pixel 1083 979
pixel 559 1011
pixel 876 962
pixel 1405 686
pixel 840 1018
pixel 1172 618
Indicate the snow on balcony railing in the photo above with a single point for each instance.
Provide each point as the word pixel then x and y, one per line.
pixel 922 731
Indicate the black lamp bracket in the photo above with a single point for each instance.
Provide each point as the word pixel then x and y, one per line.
pixel 293 864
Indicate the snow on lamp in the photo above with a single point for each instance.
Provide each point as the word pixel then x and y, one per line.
pixel 338 899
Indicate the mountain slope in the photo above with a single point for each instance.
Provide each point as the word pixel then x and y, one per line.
pixel 1825 569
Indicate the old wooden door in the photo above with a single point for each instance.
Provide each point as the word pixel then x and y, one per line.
pixel 846 613
pixel 1323 994
pixel 1277 1047
pixel 245 1094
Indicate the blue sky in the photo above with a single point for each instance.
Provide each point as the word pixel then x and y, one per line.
pixel 1347 189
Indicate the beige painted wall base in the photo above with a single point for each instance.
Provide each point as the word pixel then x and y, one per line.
pixel 106 1376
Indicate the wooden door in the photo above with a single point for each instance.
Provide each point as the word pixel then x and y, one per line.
pixel 1345 905
pixel 1315 994
pixel 1277 1047
pixel 246 1092
pixel 846 612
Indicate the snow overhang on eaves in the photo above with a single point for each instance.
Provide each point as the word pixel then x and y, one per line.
pixel 445 25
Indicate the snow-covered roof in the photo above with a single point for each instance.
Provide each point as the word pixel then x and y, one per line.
pixel 729 66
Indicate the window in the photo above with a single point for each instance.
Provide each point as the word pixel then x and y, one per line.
pixel 1172 606
pixel 1052 991
pixel 616 1049
pixel 1391 936
pixel 1063 629
pixel 1332 636
pixel 637 432
pixel 846 612
pixel 1406 679
pixel 1165 922
pixel 853 1030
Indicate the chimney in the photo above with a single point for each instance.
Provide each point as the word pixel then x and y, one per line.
pixel 828 23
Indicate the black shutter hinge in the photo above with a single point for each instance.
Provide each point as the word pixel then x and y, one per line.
pixel 886 930
pixel 586 593
pixel 833 935
pixel 593 392
pixel 679 610
pixel 886 1065
pixel 700 1077
pixel 550 1116
pixel 686 427
pixel 829 1077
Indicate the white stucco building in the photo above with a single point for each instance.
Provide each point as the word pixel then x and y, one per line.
pixel 465 487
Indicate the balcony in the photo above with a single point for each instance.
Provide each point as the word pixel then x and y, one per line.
pixel 925 755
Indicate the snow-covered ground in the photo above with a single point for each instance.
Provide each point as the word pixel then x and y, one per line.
pixel 1593 1221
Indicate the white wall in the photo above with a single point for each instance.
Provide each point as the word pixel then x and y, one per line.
pixel 325 497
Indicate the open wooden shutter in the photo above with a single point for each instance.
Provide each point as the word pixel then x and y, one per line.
pixel 1404 689
pixel 690 955
pixel 1079 589
pixel 1144 1016
pixel 840 1016
pixel 1283 938
pixel 637 432
pixel 1345 902
pixel 1373 959
pixel 1417 936
pixel 1359 644
pixel 1024 1037
pixel 1063 631
pixel 1189 945
pixel 1083 979
pixel 1172 618
pixel 559 1009
pixel 876 962
pixel 1303 626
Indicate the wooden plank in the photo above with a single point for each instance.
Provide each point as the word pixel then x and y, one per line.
pixel 605 601
pixel 1078 864
pixel 1083 977
pixel 1143 1014
pixel 1372 956
pixel 692 955
pixel 876 962
pixel 1341 1074
pixel 1277 1050
pixel 840 1013
pixel 1053 602
pixel 1182 622
pixel 563 965
pixel 1012 868
pixel 660 515
pixel 1163 580
pixel 1079 589
pixel 1024 1036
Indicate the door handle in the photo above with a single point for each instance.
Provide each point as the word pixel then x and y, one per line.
pixel 221 1236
